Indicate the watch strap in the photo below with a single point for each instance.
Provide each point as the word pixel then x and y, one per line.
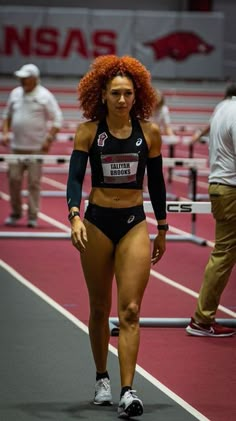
pixel 163 227
pixel 72 214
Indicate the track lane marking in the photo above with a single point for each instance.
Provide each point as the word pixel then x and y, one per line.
pixel 187 290
pixel 41 215
pixel 181 402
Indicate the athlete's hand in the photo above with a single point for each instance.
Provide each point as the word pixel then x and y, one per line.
pixel 78 234
pixel 159 247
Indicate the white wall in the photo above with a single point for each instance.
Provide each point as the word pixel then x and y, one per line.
pixel 228 7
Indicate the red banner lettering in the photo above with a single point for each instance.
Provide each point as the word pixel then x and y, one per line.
pixel 75 42
pixel 46 42
pixel 104 43
pixel 13 39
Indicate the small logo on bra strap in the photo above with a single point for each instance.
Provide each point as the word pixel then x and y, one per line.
pixel 139 141
pixel 101 139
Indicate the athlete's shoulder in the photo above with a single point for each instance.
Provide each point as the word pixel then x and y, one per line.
pixel 150 128
pixel 87 126
pixel 86 132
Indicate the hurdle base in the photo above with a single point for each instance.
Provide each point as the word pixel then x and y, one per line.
pixel 200 196
pixel 187 237
pixel 51 193
pixel 35 234
pixel 65 235
pixel 114 330
pixel 164 322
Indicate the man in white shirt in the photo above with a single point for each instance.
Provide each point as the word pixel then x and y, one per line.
pixel 202 133
pixel 222 192
pixel 34 117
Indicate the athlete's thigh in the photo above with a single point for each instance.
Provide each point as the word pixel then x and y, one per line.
pixel 132 264
pixel 98 262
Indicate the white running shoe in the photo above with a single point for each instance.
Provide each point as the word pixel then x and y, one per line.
pixel 103 394
pixel 130 405
pixel 12 219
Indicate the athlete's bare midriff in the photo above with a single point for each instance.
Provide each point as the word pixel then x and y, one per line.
pixel 116 198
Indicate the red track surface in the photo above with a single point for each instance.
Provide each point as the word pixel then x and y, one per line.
pixel 200 370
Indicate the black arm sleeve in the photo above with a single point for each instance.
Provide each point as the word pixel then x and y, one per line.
pixel 77 168
pixel 156 186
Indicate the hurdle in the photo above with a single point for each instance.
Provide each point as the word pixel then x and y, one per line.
pixel 63 159
pixel 171 207
pixel 171 142
pixel 164 322
pixel 192 164
pixel 186 140
pixel 48 159
pixel 186 207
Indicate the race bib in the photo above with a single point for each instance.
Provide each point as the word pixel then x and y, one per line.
pixel 121 168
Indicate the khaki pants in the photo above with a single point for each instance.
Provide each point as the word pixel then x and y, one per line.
pixel 223 256
pixel 16 172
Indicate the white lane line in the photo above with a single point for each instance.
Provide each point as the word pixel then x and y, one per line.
pixel 177 285
pixel 54 183
pixel 189 408
pixel 188 291
pixel 41 215
pixel 177 230
pixel 181 402
pixel 161 277
pixel 54 222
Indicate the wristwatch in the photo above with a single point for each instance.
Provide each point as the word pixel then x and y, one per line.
pixel 163 227
pixel 72 214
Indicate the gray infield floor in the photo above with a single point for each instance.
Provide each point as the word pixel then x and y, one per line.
pixel 46 368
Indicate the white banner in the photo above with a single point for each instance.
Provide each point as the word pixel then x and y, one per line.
pixel 64 41
pixel 180 45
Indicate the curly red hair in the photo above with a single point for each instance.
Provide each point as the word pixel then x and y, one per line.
pixel 105 68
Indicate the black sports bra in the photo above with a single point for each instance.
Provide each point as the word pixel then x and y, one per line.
pixel 118 163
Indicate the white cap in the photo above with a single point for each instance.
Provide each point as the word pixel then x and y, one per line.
pixel 28 70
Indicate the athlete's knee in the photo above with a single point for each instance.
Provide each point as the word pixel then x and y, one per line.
pixel 130 314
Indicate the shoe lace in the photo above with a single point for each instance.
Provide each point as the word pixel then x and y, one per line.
pixel 132 393
pixel 104 383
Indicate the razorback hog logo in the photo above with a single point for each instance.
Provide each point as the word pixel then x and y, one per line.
pixel 179 46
